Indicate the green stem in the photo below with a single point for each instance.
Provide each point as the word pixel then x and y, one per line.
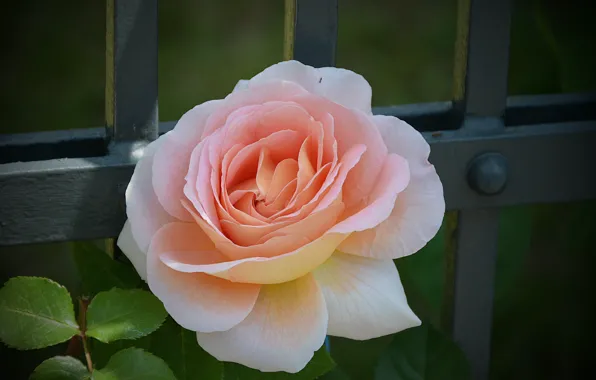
pixel 83 303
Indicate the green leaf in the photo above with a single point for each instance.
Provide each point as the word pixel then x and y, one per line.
pixel 124 314
pixel 134 364
pixel 177 346
pixel 60 368
pixel 422 353
pixel 35 312
pixel 99 272
pixel 320 364
pixel 102 352
pixel 358 358
pixel 336 374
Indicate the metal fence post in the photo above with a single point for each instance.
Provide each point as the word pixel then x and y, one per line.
pixel 482 59
pixel 315 32
pixel 131 70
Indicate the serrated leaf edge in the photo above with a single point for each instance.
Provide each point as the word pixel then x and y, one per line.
pixel 134 337
pixel 36 347
pixel 132 349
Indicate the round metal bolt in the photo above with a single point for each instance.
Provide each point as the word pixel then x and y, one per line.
pixel 487 173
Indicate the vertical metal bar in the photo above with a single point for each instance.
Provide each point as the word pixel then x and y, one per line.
pixel 481 63
pixel 315 33
pixel 131 80
pixel 476 255
pixel 131 70
pixel 482 56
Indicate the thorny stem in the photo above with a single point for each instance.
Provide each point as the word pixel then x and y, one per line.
pixel 83 303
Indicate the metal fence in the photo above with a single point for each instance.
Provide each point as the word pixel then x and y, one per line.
pixel 490 150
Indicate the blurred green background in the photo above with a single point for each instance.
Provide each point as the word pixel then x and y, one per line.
pixel 53 78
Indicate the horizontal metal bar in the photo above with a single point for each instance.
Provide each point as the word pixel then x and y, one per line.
pixel 438 116
pixel 425 117
pixel 82 198
pixel 63 199
pixel 38 146
pixel 550 108
pixel 547 163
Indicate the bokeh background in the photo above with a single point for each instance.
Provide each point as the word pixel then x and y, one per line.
pixel 52 77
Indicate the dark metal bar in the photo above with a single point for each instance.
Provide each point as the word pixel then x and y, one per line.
pixel 76 198
pixel 547 163
pixel 38 146
pixel 63 199
pixel 551 108
pixel 477 235
pixel 131 70
pixel 425 117
pixel 482 60
pixel 315 33
pixel 482 56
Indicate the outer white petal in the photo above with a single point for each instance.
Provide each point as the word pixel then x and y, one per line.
pixel 419 209
pixel 341 86
pixel 172 159
pixel 196 301
pixel 241 85
pixel 145 214
pixel 287 325
pixel 364 297
pixel 293 71
pixel 345 87
pixel 129 246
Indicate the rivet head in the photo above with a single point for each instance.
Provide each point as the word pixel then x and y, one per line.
pixel 487 173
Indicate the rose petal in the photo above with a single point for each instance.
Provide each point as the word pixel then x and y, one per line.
pixel 265 170
pixel 196 301
pixel 307 229
pixel 238 191
pixel 268 210
pixel 285 172
pixel 241 85
pixel 227 208
pixel 197 188
pixel 172 158
pixel 403 139
pixel 244 165
pixel 347 163
pixel 287 325
pixel 311 227
pixel 364 297
pixel 345 87
pixel 313 190
pixel 305 167
pixel 338 85
pixel 244 212
pixel 129 246
pixel 351 127
pixel 145 213
pixel 259 270
pixel 278 91
pixel 293 71
pixel 393 179
pixel 419 209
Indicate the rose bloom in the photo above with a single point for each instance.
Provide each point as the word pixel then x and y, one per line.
pixel 269 219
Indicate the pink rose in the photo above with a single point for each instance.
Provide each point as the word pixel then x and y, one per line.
pixel 269 219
